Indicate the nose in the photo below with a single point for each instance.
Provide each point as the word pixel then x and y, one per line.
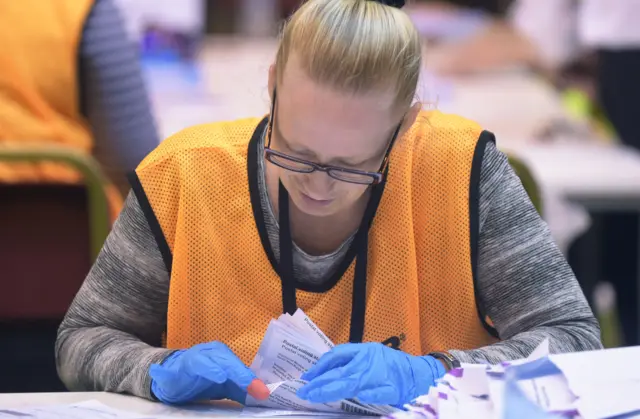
pixel 318 185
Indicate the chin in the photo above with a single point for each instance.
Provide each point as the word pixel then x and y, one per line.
pixel 315 208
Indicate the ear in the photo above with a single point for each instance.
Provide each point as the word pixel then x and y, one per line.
pixel 272 80
pixel 410 118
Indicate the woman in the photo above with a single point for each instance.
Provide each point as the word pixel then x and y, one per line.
pixel 382 222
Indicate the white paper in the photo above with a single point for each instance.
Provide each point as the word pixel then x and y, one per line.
pixel 86 410
pixel 594 385
pixel 261 412
pixel 283 355
pixel 609 401
pixel 547 389
pixel 606 383
pixel 478 390
pixel 540 352
pixel 549 392
pixel 474 380
pixel 583 370
pixel 292 345
pixel 283 397
pixel 309 328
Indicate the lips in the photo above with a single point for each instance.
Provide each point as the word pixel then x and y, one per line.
pixel 316 201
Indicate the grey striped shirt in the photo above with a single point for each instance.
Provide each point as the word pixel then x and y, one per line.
pixel 114 98
pixel 111 333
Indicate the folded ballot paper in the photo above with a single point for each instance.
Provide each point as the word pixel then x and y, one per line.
pixel 588 385
pixel 292 345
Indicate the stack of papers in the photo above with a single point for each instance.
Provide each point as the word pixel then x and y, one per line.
pixel 292 345
pixel 588 385
pixel 584 385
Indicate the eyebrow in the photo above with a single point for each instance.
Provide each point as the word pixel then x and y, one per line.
pixel 307 152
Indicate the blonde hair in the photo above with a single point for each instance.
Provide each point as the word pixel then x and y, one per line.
pixel 355 46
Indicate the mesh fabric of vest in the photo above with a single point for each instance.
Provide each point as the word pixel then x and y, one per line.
pixel 223 287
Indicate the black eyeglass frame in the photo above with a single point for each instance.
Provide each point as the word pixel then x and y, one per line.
pixel 376 177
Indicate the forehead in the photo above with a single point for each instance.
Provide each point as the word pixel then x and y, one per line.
pixel 309 112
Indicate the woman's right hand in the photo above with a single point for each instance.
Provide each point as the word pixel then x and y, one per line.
pixel 208 371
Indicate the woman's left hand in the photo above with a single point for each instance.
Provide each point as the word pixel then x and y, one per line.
pixel 371 372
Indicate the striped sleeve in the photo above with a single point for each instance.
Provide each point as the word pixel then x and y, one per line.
pixel 524 281
pixel 114 97
pixel 112 332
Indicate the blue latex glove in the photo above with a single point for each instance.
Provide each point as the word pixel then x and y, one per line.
pixel 209 371
pixel 371 372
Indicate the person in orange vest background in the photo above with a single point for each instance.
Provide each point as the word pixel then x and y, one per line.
pixel 70 77
pixel 403 234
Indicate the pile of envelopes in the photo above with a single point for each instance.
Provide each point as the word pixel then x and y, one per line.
pixel 589 385
pixel 292 344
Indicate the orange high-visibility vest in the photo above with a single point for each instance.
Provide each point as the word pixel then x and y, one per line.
pixel 196 191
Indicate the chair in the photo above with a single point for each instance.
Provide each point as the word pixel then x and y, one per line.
pixel 49 237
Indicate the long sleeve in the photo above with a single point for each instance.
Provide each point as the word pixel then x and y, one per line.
pixel 112 331
pixel 114 98
pixel 524 281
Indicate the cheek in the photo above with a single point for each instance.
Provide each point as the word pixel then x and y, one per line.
pixel 291 179
pixel 345 191
pixel 350 191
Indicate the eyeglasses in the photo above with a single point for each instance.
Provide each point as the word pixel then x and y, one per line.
pixel 294 164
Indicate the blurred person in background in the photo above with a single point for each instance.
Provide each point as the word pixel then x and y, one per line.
pixel 404 234
pixel 549 35
pixel 70 77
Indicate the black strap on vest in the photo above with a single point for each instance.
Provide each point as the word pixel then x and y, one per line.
pixel 359 294
pixel 289 304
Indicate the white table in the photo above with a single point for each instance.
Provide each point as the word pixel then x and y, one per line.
pixel 121 402
pixel 598 175
pixel 133 405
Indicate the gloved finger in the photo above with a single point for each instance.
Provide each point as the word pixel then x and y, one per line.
pixel 201 365
pixel 161 375
pixel 385 394
pixel 337 357
pixel 332 392
pixel 331 381
pixel 236 371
